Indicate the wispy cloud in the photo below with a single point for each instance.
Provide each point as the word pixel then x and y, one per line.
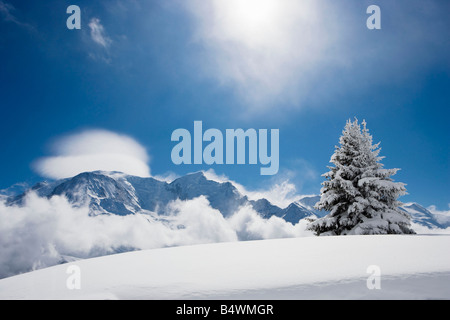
pixel 282 189
pixel 98 34
pixel 6 12
pixel 280 192
pixel 442 216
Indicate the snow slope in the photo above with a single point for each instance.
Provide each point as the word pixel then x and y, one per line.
pixel 412 267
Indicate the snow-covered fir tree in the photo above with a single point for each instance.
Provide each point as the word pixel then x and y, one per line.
pixel 359 194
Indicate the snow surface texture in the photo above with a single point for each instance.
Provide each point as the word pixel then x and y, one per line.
pixel 412 267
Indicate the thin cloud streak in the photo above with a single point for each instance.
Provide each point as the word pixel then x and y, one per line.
pixel 6 10
pixel 98 34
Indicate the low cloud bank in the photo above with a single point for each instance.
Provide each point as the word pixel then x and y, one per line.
pixel 43 232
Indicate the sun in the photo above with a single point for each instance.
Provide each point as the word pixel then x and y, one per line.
pixel 251 21
pixel 255 14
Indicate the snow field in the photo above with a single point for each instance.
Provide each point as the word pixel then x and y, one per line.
pixel 282 268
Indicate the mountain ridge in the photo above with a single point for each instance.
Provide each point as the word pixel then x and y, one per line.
pixel 122 194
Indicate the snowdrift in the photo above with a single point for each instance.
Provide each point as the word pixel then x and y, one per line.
pixel 412 267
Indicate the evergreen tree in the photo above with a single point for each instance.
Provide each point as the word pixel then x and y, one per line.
pixel 359 194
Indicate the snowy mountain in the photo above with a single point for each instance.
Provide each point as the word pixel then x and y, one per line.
pixel 423 216
pixel 121 194
pixel 116 193
pixel 222 196
pixel 308 203
pixel 101 213
pixel 418 213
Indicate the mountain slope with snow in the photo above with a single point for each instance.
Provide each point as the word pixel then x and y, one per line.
pixel 116 193
pixel 102 213
pixel 120 194
pixel 422 216
pixel 412 267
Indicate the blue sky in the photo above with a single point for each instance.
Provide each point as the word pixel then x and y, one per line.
pixel 146 68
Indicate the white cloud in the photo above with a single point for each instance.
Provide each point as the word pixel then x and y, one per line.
pixel 43 230
pixel 198 222
pixel 442 216
pixel 167 177
pixel 93 150
pixel 251 226
pixel 421 229
pixel 98 33
pixel 434 210
pixel 280 193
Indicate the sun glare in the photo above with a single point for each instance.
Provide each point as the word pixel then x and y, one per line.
pixel 250 20
pixel 256 14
